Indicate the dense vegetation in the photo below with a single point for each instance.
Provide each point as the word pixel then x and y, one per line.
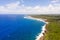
pixel 53 28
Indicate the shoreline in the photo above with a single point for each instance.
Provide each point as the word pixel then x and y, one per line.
pixel 43 27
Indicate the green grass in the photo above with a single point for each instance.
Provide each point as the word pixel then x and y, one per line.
pixel 53 28
pixel 53 31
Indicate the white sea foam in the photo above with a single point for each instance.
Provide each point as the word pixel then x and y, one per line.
pixel 43 28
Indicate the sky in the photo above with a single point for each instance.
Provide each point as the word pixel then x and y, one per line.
pixel 29 6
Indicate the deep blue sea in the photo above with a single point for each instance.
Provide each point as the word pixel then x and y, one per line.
pixel 16 27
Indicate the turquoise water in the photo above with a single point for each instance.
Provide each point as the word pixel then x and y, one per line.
pixel 16 27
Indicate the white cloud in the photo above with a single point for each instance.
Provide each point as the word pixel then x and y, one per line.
pixel 18 9
pixel 54 1
pixel 13 5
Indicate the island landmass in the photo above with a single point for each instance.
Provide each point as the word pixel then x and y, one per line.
pixel 52 29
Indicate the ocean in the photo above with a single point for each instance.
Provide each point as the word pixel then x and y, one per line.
pixel 16 27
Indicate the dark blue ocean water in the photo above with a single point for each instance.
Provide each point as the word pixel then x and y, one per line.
pixel 16 27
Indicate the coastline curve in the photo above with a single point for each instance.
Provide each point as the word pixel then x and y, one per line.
pixel 43 27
